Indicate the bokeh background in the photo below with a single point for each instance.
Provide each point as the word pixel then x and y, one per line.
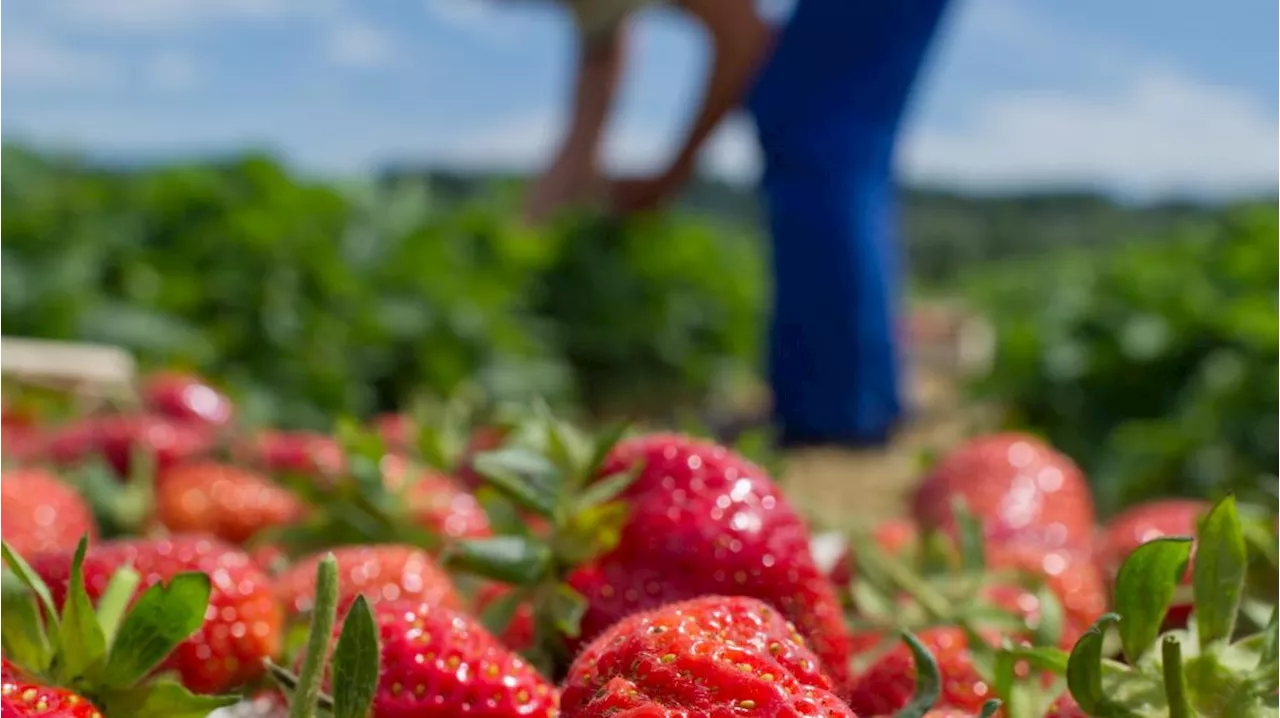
pixel 314 202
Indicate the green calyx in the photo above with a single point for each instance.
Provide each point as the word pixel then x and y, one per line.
pixel 550 470
pixel 942 582
pixel 107 654
pixel 356 659
pixel 1209 669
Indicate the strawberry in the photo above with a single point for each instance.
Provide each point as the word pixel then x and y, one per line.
pixel 20 699
pixel 243 621
pixel 22 444
pixel 301 452
pixel 396 430
pixel 436 502
pixel 117 438
pixel 78 661
pixel 382 573
pixel 1071 576
pixel 888 683
pixel 224 501
pixel 39 513
pixel 710 656
pixel 409 657
pixel 185 397
pixel 695 519
pixel 1019 487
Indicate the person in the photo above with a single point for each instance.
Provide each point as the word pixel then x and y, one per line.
pixel 827 93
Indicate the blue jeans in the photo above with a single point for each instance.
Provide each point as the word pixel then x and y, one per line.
pixel 828 107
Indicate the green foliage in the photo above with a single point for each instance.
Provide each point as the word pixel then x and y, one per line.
pixel 310 300
pixel 1153 365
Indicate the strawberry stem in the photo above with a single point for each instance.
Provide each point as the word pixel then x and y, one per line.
pixel 1175 682
pixel 322 619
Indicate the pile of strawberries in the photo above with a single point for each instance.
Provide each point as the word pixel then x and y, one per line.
pixel 168 562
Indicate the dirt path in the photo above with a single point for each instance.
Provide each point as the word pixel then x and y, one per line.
pixel 841 489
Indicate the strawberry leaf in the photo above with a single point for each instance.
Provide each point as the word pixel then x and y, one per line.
pixel 604 443
pixel 1270 649
pixel 498 613
pixel 521 475
pixel 81 643
pixel 1048 629
pixel 32 580
pixel 164 616
pixel 22 629
pixel 510 559
pixel 115 600
pixel 1084 668
pixel 356 663
pixel 971 538
pixel 163 699
pixel 1144 590
pixel 567 607
pixel 1219 573
pixel 607 489
pixel 928 680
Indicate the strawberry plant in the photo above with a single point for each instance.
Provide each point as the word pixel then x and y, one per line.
pixel 99 661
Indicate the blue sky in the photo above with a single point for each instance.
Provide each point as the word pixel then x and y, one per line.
pixel 1140 97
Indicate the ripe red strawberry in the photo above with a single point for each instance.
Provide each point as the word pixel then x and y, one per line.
pixel 224 501
pixel 1070 575
pixel 382 573
pixel 1146 522
pixel 20 699
pixel 436 502
pixel 39 513
pixel 1019 487
pixel 888 683
pixel 22 444
pixel 302 452
pixel 1066 707
pixel 117 438
pixel 705 521
pixel 185 397
pixel 396 430
pixel 243 621
pixel 437 661
pixel 710 656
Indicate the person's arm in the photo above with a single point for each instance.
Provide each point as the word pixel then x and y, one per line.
pixel 574 174
pixel 740 41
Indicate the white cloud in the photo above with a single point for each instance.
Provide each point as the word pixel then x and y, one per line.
pixel 38 63
pixel 360 45
pixel 1163 133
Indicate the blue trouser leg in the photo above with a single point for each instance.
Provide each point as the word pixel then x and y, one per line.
pixel 828 108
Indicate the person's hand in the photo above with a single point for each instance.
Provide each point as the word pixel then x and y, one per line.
pixel 635 195
pixel 560 187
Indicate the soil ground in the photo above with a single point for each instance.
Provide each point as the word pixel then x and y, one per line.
pixel 841 489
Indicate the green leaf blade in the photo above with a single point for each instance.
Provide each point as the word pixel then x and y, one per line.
pixel 356 663
pixel 512 559
pixel 164 616
pixel 82 644
pixel 1084 667
pixel 928 680
pixel 1219 574
pixel 31 580
pixel 1145 587
pixel 522 476
pixel 163 699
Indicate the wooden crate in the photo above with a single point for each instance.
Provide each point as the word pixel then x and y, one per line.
pixel 95 372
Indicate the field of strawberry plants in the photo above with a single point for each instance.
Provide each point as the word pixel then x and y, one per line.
pixel 288 521
pixel 164 559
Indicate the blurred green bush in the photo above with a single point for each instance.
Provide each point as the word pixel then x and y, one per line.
pixel 1153 364
pixel 309 300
